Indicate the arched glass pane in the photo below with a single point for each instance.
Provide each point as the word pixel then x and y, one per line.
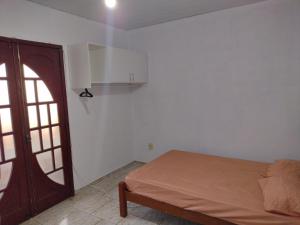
pixel 9 147
pixel 46 138
pixel 58 158
pixel 30 92
pixel 44 115
pixel 44 94
pixel 35 141
pixel 57 177
pixel 5 117
pixel 45 161
pixel 4 99
pixel 7 138
pixel 32 115
pixel 29 73
pixel 5 171
pixel 56 136
pixel 54 113
pixel 2 70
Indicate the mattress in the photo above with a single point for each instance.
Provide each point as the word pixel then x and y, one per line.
pixel 220 187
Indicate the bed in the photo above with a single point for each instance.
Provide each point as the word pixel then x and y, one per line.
pixel 205 189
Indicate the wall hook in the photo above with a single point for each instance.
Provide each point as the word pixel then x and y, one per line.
pixel 86 94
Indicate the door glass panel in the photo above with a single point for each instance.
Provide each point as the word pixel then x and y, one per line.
pixel 46 138
pixel 57 177
pixel 45 161
pixel 4 100
pixel 32 114
pixel 6 136
pixel 5 171
pixel 58 158
pixel 44 115
pixel 44 94
pixel 5 117
pixel 30 91
pixel 56 136
pixel 54 113
pixel 9 147
pixel 35 141
pixel 29 73
pixel 2 70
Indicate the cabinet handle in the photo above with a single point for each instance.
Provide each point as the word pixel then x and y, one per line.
pixel 131 76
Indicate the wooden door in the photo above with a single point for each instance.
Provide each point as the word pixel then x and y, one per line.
pixel 14 196
pixel 46 124
pixel 35 155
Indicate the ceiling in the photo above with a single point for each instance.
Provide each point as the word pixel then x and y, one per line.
pixel 132 14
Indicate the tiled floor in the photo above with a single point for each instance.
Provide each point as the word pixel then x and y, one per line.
pixel 97 204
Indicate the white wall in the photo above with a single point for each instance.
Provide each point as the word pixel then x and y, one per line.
pixel 225 83
pixel 101 127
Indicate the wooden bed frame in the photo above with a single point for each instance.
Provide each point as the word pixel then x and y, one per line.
pixel 125 195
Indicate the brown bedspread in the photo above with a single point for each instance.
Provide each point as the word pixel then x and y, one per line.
pixel 219 187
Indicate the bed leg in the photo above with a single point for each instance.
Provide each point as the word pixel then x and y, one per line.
pixel 122 199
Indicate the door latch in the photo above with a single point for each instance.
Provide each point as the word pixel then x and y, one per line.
pixel 28 138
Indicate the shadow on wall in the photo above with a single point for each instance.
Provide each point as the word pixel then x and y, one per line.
pixel 101 91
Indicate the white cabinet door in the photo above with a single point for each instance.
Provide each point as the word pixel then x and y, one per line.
pixel 138 67
pixel 119 65
pixel 110 65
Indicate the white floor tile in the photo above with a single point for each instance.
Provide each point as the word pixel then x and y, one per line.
pixel 98 204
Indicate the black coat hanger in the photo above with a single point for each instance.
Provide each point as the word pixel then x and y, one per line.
pixel 86 94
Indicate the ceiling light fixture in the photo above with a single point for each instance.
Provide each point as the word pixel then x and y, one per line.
pixel 111 4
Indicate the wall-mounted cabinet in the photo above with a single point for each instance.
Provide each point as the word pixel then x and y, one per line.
pixel 92 64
